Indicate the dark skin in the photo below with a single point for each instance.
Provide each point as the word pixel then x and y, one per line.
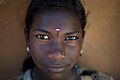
pixel 55 54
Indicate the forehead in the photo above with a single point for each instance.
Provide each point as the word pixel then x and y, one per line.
pixel 57 19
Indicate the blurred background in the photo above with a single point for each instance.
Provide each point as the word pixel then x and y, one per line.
pixel 101 44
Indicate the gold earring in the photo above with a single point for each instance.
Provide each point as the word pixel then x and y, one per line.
pixel 63 53
pixel 81 52
pixel 28 49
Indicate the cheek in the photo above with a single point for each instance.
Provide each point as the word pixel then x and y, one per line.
pixel 37 47
pixel 73 53
pixel 39 55
pixel 38 51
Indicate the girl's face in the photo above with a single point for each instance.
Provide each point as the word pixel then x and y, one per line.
pixel 55 41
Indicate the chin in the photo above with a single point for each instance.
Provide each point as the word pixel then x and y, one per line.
pixel 56 75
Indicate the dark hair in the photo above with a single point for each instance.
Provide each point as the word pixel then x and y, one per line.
pixel 37 6
pixel 28 64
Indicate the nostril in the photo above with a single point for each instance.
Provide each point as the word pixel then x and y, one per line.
pixel 56 56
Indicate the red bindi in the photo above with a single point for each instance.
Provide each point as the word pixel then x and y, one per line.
pixel 58 30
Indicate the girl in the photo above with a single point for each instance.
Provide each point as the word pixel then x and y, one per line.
pixel 55 32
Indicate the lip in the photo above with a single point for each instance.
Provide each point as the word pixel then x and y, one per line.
pixel 56 68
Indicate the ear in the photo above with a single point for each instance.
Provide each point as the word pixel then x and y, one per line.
pixel 83 34
pixel 26 38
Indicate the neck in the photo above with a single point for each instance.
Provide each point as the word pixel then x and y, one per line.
pixel 38 75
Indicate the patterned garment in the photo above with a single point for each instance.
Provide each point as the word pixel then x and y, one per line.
pixel 84 74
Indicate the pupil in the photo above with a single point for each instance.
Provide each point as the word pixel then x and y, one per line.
pixel 71 38
pixel 42 36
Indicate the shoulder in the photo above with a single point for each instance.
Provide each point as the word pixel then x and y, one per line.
pixel 87 74
pixel 25 76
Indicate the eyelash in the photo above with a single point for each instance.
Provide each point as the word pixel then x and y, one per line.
pixel 46 37
pixel 43 37
pixel 70 38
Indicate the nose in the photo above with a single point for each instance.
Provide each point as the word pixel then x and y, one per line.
pixel 56 56
pixel 57 51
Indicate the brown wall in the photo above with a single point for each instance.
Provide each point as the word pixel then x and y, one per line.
pixel 12 44
pixel 102 41
pixel 101 45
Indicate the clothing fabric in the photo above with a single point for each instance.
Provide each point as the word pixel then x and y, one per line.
pixel 84 74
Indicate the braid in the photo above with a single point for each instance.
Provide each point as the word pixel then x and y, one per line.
pixel 37 6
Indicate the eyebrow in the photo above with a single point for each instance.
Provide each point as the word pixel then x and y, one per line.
pixel 74 32
pixel 42 30
pixel 68 33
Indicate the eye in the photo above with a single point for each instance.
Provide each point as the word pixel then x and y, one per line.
pixel 71 38
pixel 42 37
